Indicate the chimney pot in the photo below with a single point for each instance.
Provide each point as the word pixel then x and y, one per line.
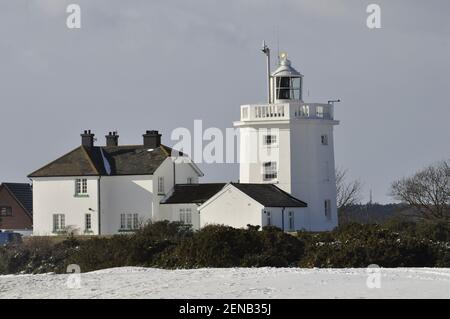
pixel 112 139
pixel 152 139
pixel 87 138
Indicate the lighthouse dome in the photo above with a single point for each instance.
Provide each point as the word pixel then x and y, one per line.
pixel 285 68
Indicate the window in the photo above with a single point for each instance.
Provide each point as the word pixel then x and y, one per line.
pixel 319 111
pixel 190 180
pixel 81 187
pixel 87 222
pixel 161 185
pixel 268 219
pixel 304 111
pixel 5 211
pixel 324 139
pixel 186 216
pixel 291 221
pixel 327 207
pixel 269 139
pixel 269 171
pixel 135 221
pixel 123 224
pixel 59 222
pixel 129 221
pixel 288 88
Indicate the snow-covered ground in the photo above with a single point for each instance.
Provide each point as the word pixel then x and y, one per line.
pixel 135 282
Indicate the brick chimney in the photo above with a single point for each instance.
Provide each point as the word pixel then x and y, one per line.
pixel 87 138
pixel 152 139
pixel 112 139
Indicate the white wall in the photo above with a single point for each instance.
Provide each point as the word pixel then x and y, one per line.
pixel 166 170
pixel 276 214
pixel 118 194
pixel 313 170
pixel 172 213
pixel 56 195
pixel 124 195
pixel 231 207
pixel 306 167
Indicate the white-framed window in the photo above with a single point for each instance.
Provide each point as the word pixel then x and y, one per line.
pixel 87 222
pixel 161 185
pixel 59 222
pixel 135 221
pixel 324 139
pixel 123 221
pixel 186 216
pixel 81 186
pixel 268 219
pixel 270 171
pixel 291 221
pixel 319 111
pixel 304 111
pixel 190 180
pixel 327 209
pixel 129 221
pixel 269 140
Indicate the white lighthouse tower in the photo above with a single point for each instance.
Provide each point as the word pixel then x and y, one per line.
pixel 289 143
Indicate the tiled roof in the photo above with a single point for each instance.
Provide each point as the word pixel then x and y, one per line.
pixel 102 160
pixel 23 193
pixel 269 195
pixel 193 193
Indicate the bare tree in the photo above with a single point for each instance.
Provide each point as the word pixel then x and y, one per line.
pixel 427 191
pixel 348 193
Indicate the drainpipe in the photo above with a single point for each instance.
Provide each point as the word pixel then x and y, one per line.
pixel 282 218
pixel 99 202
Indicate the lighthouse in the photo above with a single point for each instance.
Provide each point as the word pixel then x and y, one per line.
pixel 289 142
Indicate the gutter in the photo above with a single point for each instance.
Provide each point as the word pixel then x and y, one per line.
pixel 99 204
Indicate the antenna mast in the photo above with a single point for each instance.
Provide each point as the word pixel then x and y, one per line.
pixel 266 50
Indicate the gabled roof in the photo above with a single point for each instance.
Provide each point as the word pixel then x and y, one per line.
pixel 102 160
pixel 269 195
pixel 22 193
pixel 192 193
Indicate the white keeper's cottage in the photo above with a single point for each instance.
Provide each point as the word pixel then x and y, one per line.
pixel 116 188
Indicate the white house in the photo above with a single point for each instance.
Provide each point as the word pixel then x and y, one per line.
pixel 263 204
pixel 106 189
pixel 299 138
pixel 290 183
pixel 236 205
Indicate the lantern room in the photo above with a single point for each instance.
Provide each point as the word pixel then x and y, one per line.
pixel 286 82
